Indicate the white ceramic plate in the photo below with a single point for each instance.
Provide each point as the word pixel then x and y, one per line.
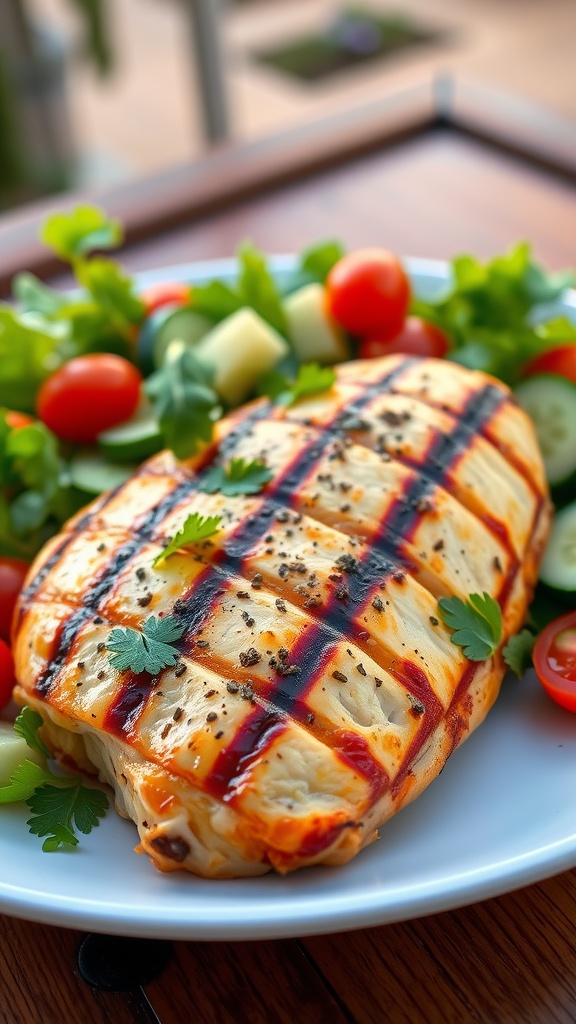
pixel 501 815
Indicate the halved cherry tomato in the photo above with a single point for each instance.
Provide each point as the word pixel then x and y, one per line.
pixel 369 293
pixel 88 395
pixel 555 660
pixel 15 419
pixel 417 338
pixel 7 677
pixel 12 574
pixel 560 360
pixel 164 294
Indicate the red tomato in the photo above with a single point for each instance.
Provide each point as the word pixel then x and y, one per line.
pixel 560 360
pixel 417 338
pixel 368 293
pixel 18 419
pixel 555 660
pixel 12 573
pixel 7 677
pixel 164 294
pixel 88 395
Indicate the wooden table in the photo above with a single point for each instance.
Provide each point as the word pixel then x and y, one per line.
pixel 432 173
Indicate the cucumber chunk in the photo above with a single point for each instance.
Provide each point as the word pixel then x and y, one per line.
pixel 241 349
pixel 550 401
pixel 13 750
pixel 91 473
pixel 133 440
pixel 162 327
pixel 558 569
pixel 314 335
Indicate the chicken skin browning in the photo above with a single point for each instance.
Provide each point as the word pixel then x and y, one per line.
pixel 317 690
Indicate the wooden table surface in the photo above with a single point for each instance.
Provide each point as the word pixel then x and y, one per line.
pixel 433 190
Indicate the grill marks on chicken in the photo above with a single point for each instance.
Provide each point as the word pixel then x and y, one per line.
pixel 317 691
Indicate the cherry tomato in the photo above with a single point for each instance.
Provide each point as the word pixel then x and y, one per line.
pixel 12 574
pixel 15 419
pixel 7 677
pixel 555 660
pixel 368 293
pixel 417 338
pixel 88 395
pixel 560 360
pixel 164 294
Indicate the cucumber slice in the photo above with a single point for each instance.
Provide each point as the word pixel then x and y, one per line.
pixel 550 401
pixel 162 327
pixel 558 569
pixel 133 440
pixel 13 750
pixel 184 324
pixel 314 335
pixel 91 473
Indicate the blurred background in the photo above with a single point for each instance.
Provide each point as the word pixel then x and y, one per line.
pixel 93 92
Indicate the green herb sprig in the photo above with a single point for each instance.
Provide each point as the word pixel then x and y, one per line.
pixel 239 477
pixel 518 652
pixel 477 624
pixel 195 528
pixel 60 805
pixel 147 650
pixel 311 379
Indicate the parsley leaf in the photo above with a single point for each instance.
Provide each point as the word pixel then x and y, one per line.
pixel 240 477
pixel 111 291
pixel 258 288
pixel 25 779
pixel 477 624
pixel 317 262
pixel 57 808
pixel 215 300
pixel 312 379
pixel 518 652
pixel 27 725
pixel 194 528
pixel 74 234
pixel 147 651
pixel 183 401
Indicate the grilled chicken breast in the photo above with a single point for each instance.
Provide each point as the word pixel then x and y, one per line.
pixel 317 690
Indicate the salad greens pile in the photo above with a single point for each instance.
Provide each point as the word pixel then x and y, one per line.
pixel 488 313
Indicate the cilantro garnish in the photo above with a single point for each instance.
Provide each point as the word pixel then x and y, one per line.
pixel 183 400
pixel 149 650
pixel 25 778
pixel 27 725
pixel 59 804
pixel 258 288
pixel 477 624
pixel 194 528
pixel 312 379
pixel 518 652
pixel 239 477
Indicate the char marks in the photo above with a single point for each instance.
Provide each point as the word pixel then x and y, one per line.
pixel 285 696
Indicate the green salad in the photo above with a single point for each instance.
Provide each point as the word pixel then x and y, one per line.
pixel 97 379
